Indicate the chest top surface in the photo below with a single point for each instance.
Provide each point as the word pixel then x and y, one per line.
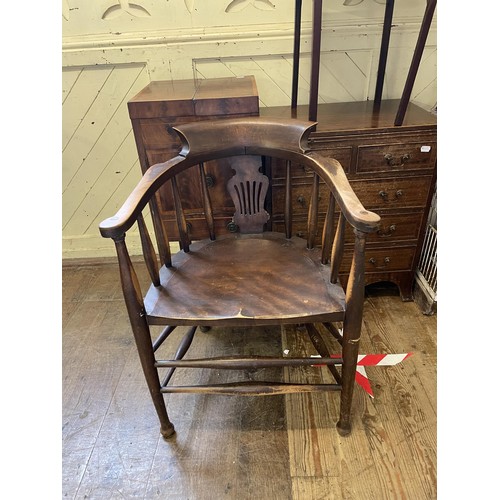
pixel 191 97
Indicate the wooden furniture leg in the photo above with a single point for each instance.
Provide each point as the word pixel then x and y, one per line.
pixel 140 329
pixel 352 332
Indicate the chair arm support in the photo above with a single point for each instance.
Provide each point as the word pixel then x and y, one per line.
pixel 333 174
pixel 126 216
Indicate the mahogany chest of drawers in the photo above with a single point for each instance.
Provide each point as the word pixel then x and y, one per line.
pixel 392 170
pixel 163 104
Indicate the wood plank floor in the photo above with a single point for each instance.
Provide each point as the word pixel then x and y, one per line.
pixel 279 447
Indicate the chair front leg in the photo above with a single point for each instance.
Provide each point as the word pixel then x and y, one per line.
pixel 135 307
pixel 352 331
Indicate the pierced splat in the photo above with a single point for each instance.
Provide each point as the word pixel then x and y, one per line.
pixel 248 189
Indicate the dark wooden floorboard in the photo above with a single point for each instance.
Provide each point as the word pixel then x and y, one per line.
pixel 280 447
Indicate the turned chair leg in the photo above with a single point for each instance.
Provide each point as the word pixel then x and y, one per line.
pixel 146 355
pixel 352 331
pixel 350 358
pixel 140 328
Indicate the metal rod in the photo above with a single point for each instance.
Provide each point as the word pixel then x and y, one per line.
pixel 296 53
pixel 417 56
pixel 315 59
pixel 384 49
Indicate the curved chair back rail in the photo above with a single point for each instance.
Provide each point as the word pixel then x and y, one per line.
pixel 209 140
pixel 254 277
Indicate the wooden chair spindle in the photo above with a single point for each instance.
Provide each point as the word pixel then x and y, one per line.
pixel 312 219
pixel 338 249
pixel 288 200
pixel 160 233
pixel 148 251
pixel 180 217
pixel 207 202
pixel 323 351
pixel 181 351
pixel 327 238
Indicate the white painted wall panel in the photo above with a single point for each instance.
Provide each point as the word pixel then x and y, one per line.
pixel 112 49
pixel 97 140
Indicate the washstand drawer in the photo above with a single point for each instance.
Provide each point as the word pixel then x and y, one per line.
pixel 396 157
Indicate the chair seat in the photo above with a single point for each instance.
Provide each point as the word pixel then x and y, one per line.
pixel 240 279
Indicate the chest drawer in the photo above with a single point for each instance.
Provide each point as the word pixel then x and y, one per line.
pixel 396 157
pixel 404 192
pixel 342 154
pixel 400 227
pixel 393 227
pixel 383 259
pixel 301 196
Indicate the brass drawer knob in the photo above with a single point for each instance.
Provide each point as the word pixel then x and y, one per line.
pixel 210 180
pixel 388 232
pixel 389 159
pixel 373 261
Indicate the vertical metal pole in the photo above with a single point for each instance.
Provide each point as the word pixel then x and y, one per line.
pixel 417 56
pixel 315 56
pixel 296 53
pixel 384 48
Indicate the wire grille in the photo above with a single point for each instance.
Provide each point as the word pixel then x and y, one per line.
pixel 427 267
pixel 428 260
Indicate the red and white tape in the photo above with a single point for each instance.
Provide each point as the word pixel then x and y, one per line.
pixel 373 360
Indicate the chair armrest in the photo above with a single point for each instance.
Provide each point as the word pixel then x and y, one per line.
pixel 354 211
pixel 126 216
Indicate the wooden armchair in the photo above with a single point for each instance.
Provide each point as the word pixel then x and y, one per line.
pixel 248 278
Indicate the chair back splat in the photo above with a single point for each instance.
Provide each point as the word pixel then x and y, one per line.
pixel 250 276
